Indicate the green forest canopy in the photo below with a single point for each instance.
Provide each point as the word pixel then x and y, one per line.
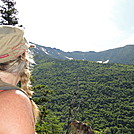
pixel 104 97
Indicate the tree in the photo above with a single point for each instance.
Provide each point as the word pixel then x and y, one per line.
pixel 48 122
pixel 8 13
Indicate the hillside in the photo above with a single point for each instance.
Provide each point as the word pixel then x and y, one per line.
pixel 103 93
pixel 122 55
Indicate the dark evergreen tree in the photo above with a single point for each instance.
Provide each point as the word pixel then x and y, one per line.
pixel 8 13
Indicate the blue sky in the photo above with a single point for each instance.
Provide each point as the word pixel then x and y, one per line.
pixel 78 25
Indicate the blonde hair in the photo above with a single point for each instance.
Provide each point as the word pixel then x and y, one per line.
pixel 21 65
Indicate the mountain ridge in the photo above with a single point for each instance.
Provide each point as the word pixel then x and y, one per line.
pixel 122 55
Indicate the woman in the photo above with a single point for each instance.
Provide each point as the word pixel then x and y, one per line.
pixel 18 112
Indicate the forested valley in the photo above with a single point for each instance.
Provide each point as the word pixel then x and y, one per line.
pixel 102 95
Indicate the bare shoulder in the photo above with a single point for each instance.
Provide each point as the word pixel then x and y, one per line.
pixel 16 113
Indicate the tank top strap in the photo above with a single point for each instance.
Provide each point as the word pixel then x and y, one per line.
pixel 5 86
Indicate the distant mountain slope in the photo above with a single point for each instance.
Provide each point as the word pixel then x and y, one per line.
pixel 122 55
pixel 102 94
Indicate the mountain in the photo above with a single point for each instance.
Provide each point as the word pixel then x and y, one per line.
pixel 122 55
pixel 99 94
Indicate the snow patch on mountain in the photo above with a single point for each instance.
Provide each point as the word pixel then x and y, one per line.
pixel 44 50
pixel 69 58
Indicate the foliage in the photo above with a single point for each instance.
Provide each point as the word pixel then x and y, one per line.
pixel 8 13
pixel 50 125
pixel 48 122
pixel 104 97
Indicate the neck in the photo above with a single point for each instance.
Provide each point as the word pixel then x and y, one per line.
pixel 10 78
